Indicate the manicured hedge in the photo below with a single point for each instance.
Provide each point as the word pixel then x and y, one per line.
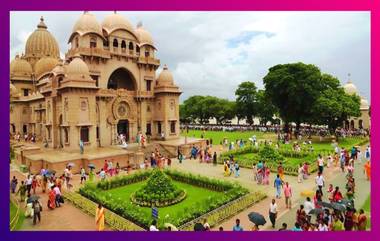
pixel 135 214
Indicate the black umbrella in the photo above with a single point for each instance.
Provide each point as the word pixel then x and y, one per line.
pixel 32 198
pixel 199 227
pixel 91 166
pixel 257 218
pixel 339 207
pixel 316 211
pixel 347 203
pixel 325 204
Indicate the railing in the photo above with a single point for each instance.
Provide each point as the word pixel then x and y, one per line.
pixel 14 221
pixel 115 221
pixel 149 60
pixel 226 211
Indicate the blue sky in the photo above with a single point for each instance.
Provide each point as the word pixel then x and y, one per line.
pixel 212 52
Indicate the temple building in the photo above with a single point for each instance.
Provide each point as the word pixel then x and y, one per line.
pixel 105 85
pixel 364 120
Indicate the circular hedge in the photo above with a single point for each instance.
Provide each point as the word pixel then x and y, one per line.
pixel 158 192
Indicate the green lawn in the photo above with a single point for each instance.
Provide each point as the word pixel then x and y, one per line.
pixel 218 136
pixel 367 208
pixel 194 195
pixel 13 211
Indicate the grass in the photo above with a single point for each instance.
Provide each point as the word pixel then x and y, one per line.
pixel 194 195
pixel 367 208
pixel 13 211
pixel 218 136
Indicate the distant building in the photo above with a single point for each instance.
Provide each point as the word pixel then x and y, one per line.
pixel 364 120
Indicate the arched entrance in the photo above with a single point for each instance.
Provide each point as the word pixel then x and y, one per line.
pixel 360 124
pixel 123 128
pixel 352 125
pixel 346 124
pixel 121 79
pixel 13 128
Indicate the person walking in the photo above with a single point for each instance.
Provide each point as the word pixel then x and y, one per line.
pixel 29 182
pixel 214 159
pixel 99 218
pixel 277 185
pixel 82 175
pixel 273 212
pixel 22 191
pixel 300 173
pixel 57 196
pixel 14 183
pixel 37 209
pixel 320 182
pixel 237 169
pixel 320 163
pixel 288 193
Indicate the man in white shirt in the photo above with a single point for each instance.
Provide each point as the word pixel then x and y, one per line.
pixel 153 226
pixel 308 205
pixel 320 163
pixel 320 181
pixel 273 212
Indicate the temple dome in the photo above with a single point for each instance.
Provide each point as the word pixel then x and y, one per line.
pixel 87 23
pixel 77 69
pixel 44 65
pixel 41 43
pixel 350 88
pixel 144 36
pixel 20 69
pixel 364 103
pixel 116 21
pixel 165 78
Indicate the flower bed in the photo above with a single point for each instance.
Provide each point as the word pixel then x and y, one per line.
pixel 137 214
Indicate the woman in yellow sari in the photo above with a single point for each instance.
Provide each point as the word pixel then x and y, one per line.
pixel 99 218
pixel 226 169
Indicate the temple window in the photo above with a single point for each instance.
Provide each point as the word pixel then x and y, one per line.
pixel 93 43
pixel 148 85
pixel 84 133
pixel 115 43
pixel 172 127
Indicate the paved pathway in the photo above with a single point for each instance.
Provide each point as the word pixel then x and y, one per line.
pixel 66 217
pixel 332 175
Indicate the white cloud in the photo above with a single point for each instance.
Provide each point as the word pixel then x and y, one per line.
pixel 195 44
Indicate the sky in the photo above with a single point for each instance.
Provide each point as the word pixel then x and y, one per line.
pixel 211 53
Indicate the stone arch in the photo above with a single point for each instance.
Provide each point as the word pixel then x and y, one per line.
pixel 122 78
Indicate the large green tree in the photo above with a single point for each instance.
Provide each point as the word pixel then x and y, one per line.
pixel 334 106
pixel 265 109
pixel 246 101
pixel 293 89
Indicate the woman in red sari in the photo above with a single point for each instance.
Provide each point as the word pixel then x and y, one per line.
pixel 51 201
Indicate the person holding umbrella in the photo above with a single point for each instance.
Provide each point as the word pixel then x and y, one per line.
pixel 273 212
pixel 257 219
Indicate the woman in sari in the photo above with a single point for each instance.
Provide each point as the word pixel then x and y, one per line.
pixel 266 176
pixel 226 169
pixel 99 218
pixel 51 201
pixel 367 170
pixel 280 171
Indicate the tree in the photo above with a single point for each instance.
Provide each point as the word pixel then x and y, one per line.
pixel 265 109
pixel 293 90
pixel 334 106
pixel 246 95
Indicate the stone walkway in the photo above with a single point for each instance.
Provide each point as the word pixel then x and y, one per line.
pixel 332 175
pixel 66 217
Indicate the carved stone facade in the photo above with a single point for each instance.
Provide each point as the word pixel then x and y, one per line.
pixel 105 86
